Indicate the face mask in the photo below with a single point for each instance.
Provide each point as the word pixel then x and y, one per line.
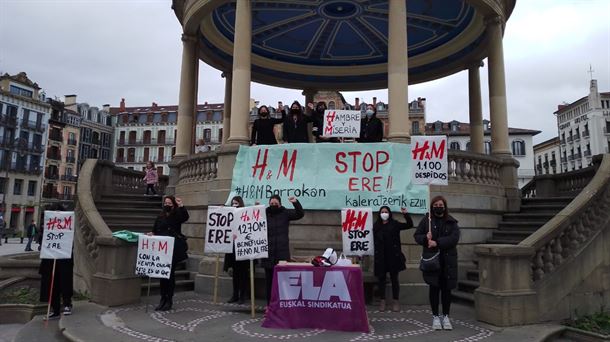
pixel 264 114
pixel 167 208
pixel 320 109
pixel 294 111
pixel 438 211
pixel 369 113
pixel 274 209
pixel 385 216
pixel 235 205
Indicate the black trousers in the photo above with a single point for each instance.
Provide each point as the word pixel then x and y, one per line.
pixel 445 295
pixel 268 283
pixel 59 293
pixel 240 279
pixel 150 187
pixel 395 285
pixel 168 285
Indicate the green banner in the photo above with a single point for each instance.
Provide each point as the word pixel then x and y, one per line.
pixel 329 176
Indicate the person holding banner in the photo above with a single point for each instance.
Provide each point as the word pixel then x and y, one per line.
pixel 439 236
pixel 388 253
pixel 278 221
pixel 169 223
pixel 295 125
pixel 240 268
pixel 371 128
pixel 317 117
pixel 262 128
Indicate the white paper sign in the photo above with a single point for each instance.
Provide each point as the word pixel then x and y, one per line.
pixel 357 231
pixel 429 155
pixel 154 258
pixel 250 226
pixel 58 235
pixel 219 234
pixel 342 123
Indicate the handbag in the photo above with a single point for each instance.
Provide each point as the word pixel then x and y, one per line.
pixel 431 264
pixel 343 261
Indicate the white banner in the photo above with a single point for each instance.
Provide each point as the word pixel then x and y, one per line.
pixel 357 231
pixel 429 159
pixel 219 234
pixel 154 258
pixel 250 226
pixel 342 123
pixel 58 235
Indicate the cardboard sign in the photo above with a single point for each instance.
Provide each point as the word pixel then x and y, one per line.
pixel 342 123
pixel 429 160
pixel 219 234
pixel 155 254
pixel 357 231
pixel 250 226
pixel 58 235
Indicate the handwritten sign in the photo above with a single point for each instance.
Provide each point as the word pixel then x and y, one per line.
pixel 357 231
pixel 250 226
pixel 429 160
pixel 342 123
pixel 154 258
pixel 58 235
pixel 219 235
pixel 329 176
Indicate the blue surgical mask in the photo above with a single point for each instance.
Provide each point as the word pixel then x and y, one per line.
pixel 369 113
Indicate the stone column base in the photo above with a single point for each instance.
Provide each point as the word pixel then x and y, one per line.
pixel 506 309
pixel 115 290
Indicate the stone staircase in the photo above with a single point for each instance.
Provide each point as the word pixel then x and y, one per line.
pixel 137 213
pixel 513 229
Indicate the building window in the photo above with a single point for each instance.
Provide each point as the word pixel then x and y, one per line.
pixel 20 91
pixel 454 127
pixel 32 188
pixel 331 105
pixel 2 184
pixel 518 148
pixel 17 186
pixel 488 147
pixel 468 148
pixel 438 126
pixel 454 145
pixel 220 135
pixel 415 127
pixel 207 135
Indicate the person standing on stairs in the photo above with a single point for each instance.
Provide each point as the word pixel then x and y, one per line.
pixel 440 241
pixel 239 268
pixel 151 177
pixel 388 253
pixel 169 223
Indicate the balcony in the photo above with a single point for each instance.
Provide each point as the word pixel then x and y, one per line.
pixel 553 162
pixel 10 121
pixel 57 196
pixel 578 155
pixel 564 160
pixel 570 139
pixel 585 134
pixel 577 137
pixel 145 142
pixel 71 160
pixel 69 178
pixel 563 141
pixel 33 125
pixel 56 157
pixel 56 137
pixel 571 157
pixel 588 153
pixel 51 176
pixel 72 142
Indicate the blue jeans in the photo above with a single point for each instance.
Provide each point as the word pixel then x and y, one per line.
pixel 28 247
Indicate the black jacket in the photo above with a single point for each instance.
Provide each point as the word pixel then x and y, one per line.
pixel 446 233
pixel 171 225
pixel 277 233
pixel 317 129
pixel 388 253
pixel 371 130
pixel 262 131
pixel 296 132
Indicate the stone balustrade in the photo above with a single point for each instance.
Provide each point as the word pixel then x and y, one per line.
pixel 474 168
pixel 197 168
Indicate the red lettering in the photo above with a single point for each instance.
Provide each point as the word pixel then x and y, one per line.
pixel 377 183
pixel 68 222
pixel 145 243
pixel 329 123
pixel 354 155
pixel 365 183
pixel 52 223
pixel 262 166
pixel 438 152
pixel 256 214
pixel 163 246
pixel 339 158
pixel 286 165
pixel 353 222
pixel 245 217
pixel 352 186
pixel 367 157
pixel 420 152
pixel 380 161
pixel 425 151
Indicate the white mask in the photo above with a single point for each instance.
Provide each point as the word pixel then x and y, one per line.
pixel 385 216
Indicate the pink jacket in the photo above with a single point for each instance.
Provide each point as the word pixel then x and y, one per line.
pixel 151 176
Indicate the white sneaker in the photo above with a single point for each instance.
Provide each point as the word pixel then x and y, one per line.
pixel 436 323
pixel 447 323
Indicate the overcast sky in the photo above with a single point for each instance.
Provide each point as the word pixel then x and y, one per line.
pixel 105 50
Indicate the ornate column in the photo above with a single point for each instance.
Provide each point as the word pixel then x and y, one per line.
pixel 240 94
pixel 398 72
pixel 226 114
pixel 188 96
pixel 476 112
pixel 498 111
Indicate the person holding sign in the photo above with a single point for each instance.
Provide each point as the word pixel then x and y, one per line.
pixel 295 125
pixel 278 221
pixel 169 223
pixel 239 269
pixel 439 236
pixel 371 128
pixel 317 117
pixel 262 128
pixel 388 254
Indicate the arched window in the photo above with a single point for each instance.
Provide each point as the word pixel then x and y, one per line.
pixel 454 145
pixel 518 148
pixel 331 105
pixel 488 147
pixel 468 148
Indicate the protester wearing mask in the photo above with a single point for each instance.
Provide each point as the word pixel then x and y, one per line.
pixel 169 223
pixel 239 268
pixel 295 125
pixel 371 128
pixel 388 253
pixel 278 221
pixel 442 238
pixel 262 128
pixel 317 117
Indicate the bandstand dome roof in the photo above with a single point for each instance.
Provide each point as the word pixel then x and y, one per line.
pixel 342 44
